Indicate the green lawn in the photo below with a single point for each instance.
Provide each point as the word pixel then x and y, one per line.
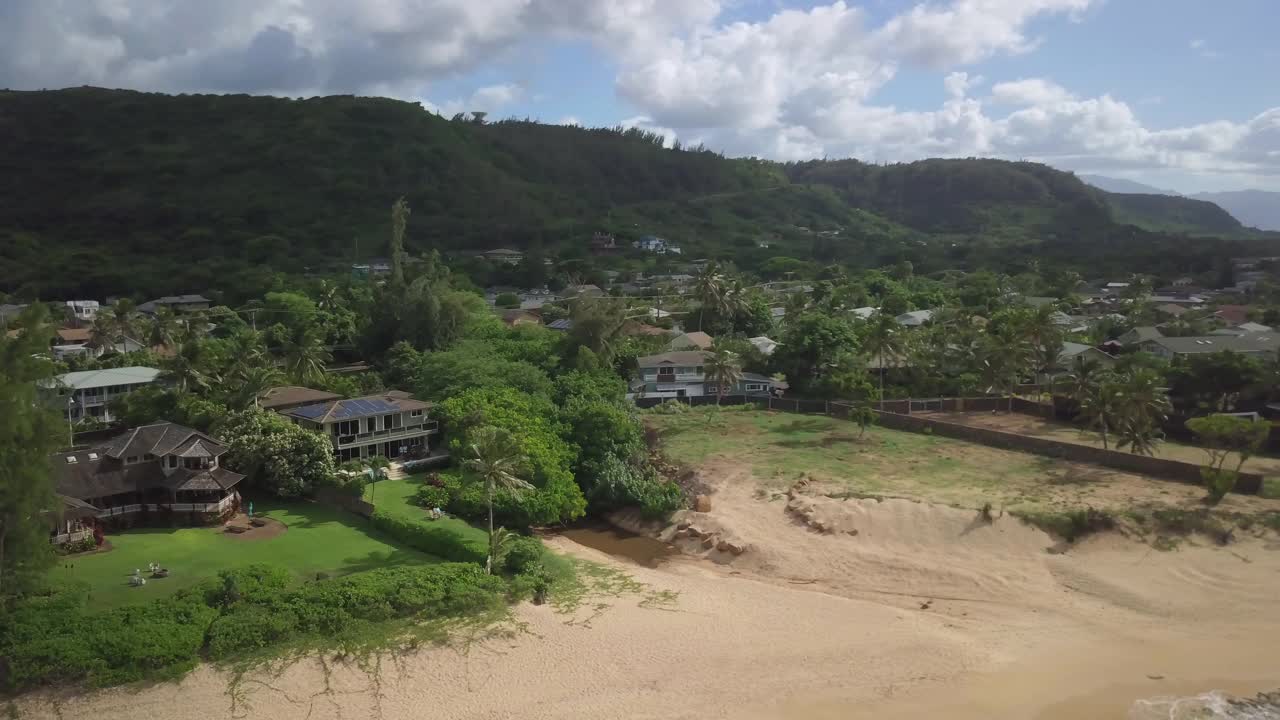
pixel 396 497
pixel 319 539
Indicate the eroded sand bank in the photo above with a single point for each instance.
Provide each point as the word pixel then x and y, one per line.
pixel 923 612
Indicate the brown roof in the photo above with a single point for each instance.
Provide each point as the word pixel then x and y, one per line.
pixel 96 473
pixel 1233 314
pixel 74 335
pixel 519 317
pixel 289 396
pixel 697 338
pixel 159 439
pixel 631 327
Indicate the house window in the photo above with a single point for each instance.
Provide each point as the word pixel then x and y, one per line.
pixel 755 387
pixel 415 413
pixel 148 456
pixel 173 461
pixel 668 370
pixel 700 371
pixel 131 460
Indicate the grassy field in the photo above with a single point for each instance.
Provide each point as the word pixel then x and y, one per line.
pixel 778 448
pixel 318 539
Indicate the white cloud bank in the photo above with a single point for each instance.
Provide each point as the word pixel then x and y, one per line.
pixel 798 84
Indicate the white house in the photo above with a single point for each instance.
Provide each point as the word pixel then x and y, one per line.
pixel 89 393
pixel 915 318
pixel 765 345
pixel 83 310
pixel 683 374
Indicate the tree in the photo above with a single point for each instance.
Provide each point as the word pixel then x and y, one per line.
pixel 507 300
pixel 1221 436
pixel 285 459
pixel 126 318
pixel 305 356
pixel 708 289
pixel 164 328
pixel 883 344
pixel 1006 355
pixel 815 348
pixel 724 370
pixel 399 221
pixel 1216 382
pixel 1099 404
pixel 597 326
pixel 494 458
pixel 187 369
pixel 29 434
pixel 105 330
pixel 248 387
pixel 1143 407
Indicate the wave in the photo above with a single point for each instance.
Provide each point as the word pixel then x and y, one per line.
pixel 1208 706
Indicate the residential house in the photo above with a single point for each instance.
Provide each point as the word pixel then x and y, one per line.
pixel 177 303
pixel 683 374
pixel 82 311
pixel 391 424
pixel 764 345
pixel 1071 353
pixel 1183 299
pixel 591 291
pixel 512 318
pixel 1261 345
pixel 162 471
pixel 75 342
pixel 1243 329
pixel 1183 282
pixel 374 267
pixel 1036 301
pixel 288 397
pixel 915 318
pixel 632 328
pixel 654 244
pixel 562 325
pixel 1139 335
pixel 1232 314
pixel 1172 310
pixel 696 340
pixel 89 393
pixel 604 244
pixel 505 256
pixel 864 313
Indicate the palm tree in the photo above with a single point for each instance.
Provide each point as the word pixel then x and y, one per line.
pixel 126 313
pixel 250 382
pixel 1099 403
pixel 724 369
pixel 186 369
pixel 1143 406
pixel 494 457
pixel 164 328
pixel 105 330
pixel 305 356
pixel 882 343
pixel 708 287
pixel 1005 357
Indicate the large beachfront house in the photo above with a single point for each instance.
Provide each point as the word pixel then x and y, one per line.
pixel 89 393
pixel 163 471
pixel 683 374
pixel 391 425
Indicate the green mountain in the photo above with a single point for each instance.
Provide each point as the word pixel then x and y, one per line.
pixel 106 191
pixel 1167 213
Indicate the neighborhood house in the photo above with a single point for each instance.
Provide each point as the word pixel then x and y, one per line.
pixel 162 468
pixel 683 374
pixel 89 393
pixel 390 425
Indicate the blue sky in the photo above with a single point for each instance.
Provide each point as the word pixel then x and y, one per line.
pixel 1177 93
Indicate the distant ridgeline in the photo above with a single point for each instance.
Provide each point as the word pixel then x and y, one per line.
pixel 106 191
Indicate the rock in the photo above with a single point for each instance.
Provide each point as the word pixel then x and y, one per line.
pixel 709 542
pixel 684 532
pixel 726 546
pixel 702 503
pixel 683 525
pixel 853 532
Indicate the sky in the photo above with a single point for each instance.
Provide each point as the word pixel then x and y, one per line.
pixel 1180 94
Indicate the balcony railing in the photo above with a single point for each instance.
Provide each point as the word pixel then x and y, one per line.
pixel 217 507
pixel 70 537
pixel 428 426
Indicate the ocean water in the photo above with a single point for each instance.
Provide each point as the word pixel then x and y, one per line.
pixel 1209 706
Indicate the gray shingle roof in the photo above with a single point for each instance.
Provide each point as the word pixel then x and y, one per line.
pixel 679 357
pixel 1250 343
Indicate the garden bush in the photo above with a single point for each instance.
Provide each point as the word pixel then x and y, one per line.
pixel 429 538
pixel 432 496
pixel 525 554
pixel 55 639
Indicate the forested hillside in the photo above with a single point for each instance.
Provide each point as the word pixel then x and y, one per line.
pixel 1173 214
pixel 105 192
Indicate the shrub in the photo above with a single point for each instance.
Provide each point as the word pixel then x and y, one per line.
pixel 525 554
pixel 432 496
pixel 247 628
pixel 1219 482
pixel 429 538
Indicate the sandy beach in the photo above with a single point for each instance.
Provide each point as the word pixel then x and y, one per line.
pixel 832 609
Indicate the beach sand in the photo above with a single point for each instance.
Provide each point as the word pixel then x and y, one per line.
pixel 926 611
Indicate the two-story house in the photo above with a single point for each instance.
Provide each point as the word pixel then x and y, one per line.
pixel 163 469
pixel 390 425
pixel 683 374
pixel 89 393
pixel 1261 345
pixel 177 303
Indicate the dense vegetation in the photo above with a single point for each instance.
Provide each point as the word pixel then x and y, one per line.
pixel 117 192
pixel 1168 213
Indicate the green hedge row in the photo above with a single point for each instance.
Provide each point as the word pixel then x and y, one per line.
pixel 58 639
pixel 430 538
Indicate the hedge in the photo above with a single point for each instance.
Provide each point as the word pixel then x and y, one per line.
pixel 428 537
pixel 57 639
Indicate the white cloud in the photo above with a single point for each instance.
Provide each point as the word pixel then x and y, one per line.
pixel 1030 91
pixel 1203 50
pixel 941 35
pixel 569 120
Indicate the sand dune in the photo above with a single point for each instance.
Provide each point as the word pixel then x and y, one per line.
pixel 818 608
